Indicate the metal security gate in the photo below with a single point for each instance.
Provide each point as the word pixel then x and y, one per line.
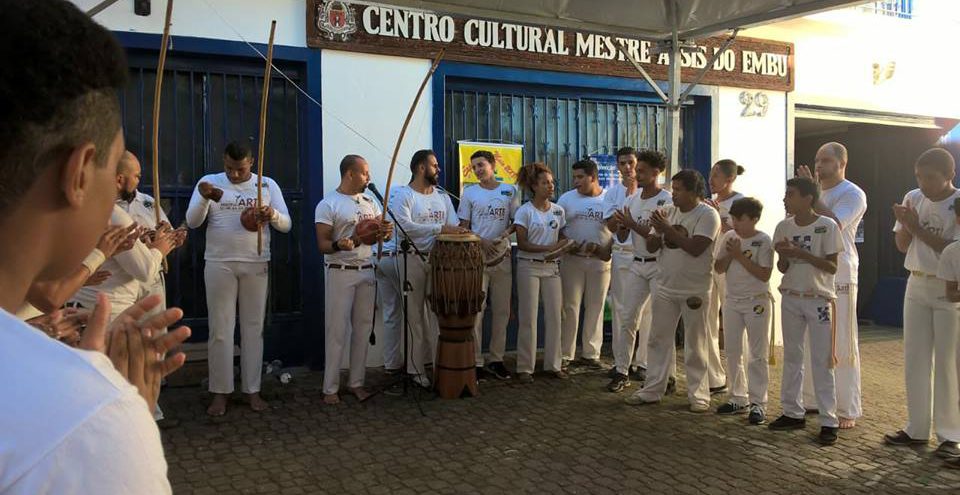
pixel 204 105
pixel 556 130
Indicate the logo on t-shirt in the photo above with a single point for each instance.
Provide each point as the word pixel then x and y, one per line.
pixel 748 254
pixel 591 214
pixel 661 202
pixel 805 242
pixel 554 224
pixel 820 230
pixel 934 224
pixel 756 243
pixel 493 212
pixel 557 213
pixel 506 192
pixel 758 309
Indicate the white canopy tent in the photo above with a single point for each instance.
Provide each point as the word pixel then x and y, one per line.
pixel 671 21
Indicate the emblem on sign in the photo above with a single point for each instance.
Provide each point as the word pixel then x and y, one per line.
pixel 336 20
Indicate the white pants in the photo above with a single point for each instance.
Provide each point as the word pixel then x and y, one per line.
pixel 585 281
pixel 497 286
pixel 348 317
pixel 538 282
pixel 847 371
pixel 715 371
pixel 619 269
pixel 802 317
pixel 423 329
pixel 229 283
pixel 750 317
pixel 661 349
pixel 158 286
pixel 639 282
pixel 930 339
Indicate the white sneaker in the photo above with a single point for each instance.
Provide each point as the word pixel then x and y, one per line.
pixel 421 380
pixel 698 407
pixel 637 399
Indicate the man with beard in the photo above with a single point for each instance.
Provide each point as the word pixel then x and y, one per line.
pixel 133 269
pixel 423 212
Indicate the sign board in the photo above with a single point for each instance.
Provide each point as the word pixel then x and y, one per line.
pixel 509 159
pixel 383 29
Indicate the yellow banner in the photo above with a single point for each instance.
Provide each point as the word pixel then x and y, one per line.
pixel 509 158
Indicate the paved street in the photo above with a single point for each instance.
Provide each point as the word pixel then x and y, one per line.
pixel 549 437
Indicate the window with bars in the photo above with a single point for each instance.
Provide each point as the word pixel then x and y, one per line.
pixel 557 130
pixel 204 105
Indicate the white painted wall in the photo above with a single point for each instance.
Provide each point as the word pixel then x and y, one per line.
pixel 365 99
pixel 835 53
pixel 760 145
pixel 233 20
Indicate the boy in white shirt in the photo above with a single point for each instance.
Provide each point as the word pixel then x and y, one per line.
pixel 585 272
pixel 745 255
pixel 808 245
pixel 925 227
pixel 488 210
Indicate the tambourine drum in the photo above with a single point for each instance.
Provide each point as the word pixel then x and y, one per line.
pixel 456 296
pixel 501 253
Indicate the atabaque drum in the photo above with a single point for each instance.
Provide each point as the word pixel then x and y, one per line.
pixel 456 296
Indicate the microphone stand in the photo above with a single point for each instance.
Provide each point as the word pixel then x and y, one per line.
pixel 405 245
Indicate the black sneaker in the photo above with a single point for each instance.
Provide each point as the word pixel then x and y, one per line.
pixel 638 374
pixel 731 408
pixel 787 423
pixel 618 383
pixel 481 374
pixel 948 450
pixel 671 386
pixel 722 389
pixel 564 364
pixel 612 372
pixel 498 370
pixel 756 416
pixel 901 438
pixel 590 364
pixel 828 435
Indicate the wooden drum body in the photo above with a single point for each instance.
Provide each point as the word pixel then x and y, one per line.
pixel 456 296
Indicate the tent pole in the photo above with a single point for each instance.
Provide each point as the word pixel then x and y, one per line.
pixel 673 106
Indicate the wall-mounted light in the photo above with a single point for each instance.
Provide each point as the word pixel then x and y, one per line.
pixel 141 7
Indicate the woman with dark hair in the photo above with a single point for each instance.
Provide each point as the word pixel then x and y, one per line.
pixel 538 223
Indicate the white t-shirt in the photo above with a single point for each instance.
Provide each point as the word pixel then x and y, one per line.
pixel 586 217
pixel 343 213
pixel 680 273
pixel 935 216
pixel 70 424
pixel 848 203
pixel 543 227
pixel 725 207
pixel 821 238
pixel 949 268
pixel 641 209
pixel 759 249
pixel 141 210
pixel 227 240
pixel 128 270
pixel 421 215
pixel 616 199
pixel 489 211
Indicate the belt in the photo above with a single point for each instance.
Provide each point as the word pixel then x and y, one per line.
pixel 645 260
pixel 921 274
pixel 387 254
pixel 335 266
pixel 534 260
pixel 805 295
pixel 762 295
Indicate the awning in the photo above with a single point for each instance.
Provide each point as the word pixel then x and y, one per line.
pixel 651 19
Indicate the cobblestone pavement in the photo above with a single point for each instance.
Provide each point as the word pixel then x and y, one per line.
pixel 549 437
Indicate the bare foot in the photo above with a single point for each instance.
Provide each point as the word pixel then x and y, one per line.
pixel 360 393
pixel 257 403
pixel 847 423
pixel 218 407
pixel 331 399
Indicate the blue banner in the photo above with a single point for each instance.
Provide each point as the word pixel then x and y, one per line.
pixel 609 173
